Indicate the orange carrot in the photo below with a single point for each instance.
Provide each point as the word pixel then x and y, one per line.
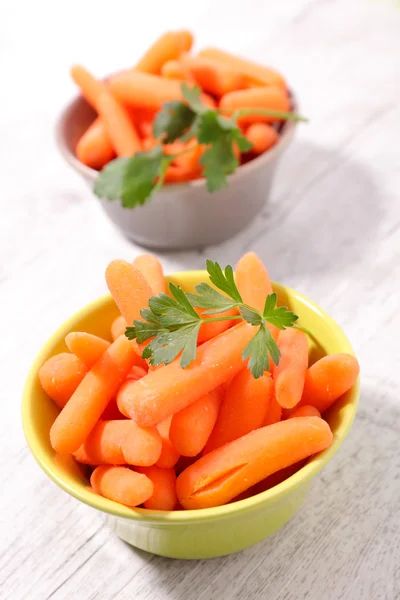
pixel 209 330
pixel 141 446
pixel 90 87
pixel 274 412
pixel 212 75
pixel 112 412
pixel 252 280
pixel 289 375
pixel 170 389
pixel 243 409
pixel 304 411
pixel 103 444
pixel 256 74
pixel 176 174
pixel 328 379
pixel 152 270
pixel 168 47
pixel 164 492
pixel 60 376
pixel 79 416
pixel 137 372
pixel 262 136
pixel 118 327
pixel 133 88
pixel 119 125
pixel 94 148
pixel 86 346
pixel 208 101
pixel 265 98
pixel 169 455
pixel 129 288
pixel 173 69
pixel 228 471
pixel 192 426
pixel 121 485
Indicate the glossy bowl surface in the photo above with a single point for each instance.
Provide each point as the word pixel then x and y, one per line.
pixel 191 534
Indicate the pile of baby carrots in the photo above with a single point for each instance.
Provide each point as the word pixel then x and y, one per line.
pixel 126 103
pixel 168 438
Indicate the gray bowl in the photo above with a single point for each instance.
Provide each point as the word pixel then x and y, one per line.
pixel 181 216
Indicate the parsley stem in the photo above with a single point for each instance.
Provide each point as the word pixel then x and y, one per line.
pixel 279 114
pixel 227 318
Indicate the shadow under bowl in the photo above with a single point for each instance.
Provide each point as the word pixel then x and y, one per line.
pixel 181 216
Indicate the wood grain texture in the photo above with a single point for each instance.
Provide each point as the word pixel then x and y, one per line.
pixel 331 229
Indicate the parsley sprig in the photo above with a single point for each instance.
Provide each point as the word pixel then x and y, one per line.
pixel 135 180
pixel 172 323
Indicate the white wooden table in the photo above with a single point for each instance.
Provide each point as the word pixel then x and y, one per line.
pixel 331 230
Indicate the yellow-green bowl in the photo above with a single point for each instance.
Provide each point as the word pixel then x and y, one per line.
pixel 188 534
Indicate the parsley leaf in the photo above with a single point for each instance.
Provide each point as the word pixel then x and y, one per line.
pixel 281 317
pixel 172 324
pixel 208 297
pixel 223 280
pixel 173 120
pixel 192 95
pixel 110 181
pixel 256 350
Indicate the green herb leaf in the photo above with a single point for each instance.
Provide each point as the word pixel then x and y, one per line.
pixel 172 121
pixel 223 280
pixel 251 316
pixel 110 181
pixel 141 175
pixel 207 297
pixel 281 317
pixel 192 95
pixel 172 324
pixel 256 352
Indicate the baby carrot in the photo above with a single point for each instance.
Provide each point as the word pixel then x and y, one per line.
pixel 228 471
pixel 274 412
pixel 262 137
pixel 270 98
pixel 112 412
pixel 137 372
pixel 94 148
pixel 164 492
pixel 289 375
pixel 252 280
pixel 91 88
pixel 141 446
pixel 119 125
pixel 118 327
pixel 136 89
pixel 192 426
pixel 152 270
pixel 256 74
pixel 173 69
pixel 212 75
pixel 60 376
pixel 121 485
pixel 86 346
pixel 171 388
pixel 328 379
pixel 87 403
pixel 169 455
pixel 168 47
pixel 129 288
pixel 304 411
pixel 243 409
pixel 209 330
pixel 103 444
